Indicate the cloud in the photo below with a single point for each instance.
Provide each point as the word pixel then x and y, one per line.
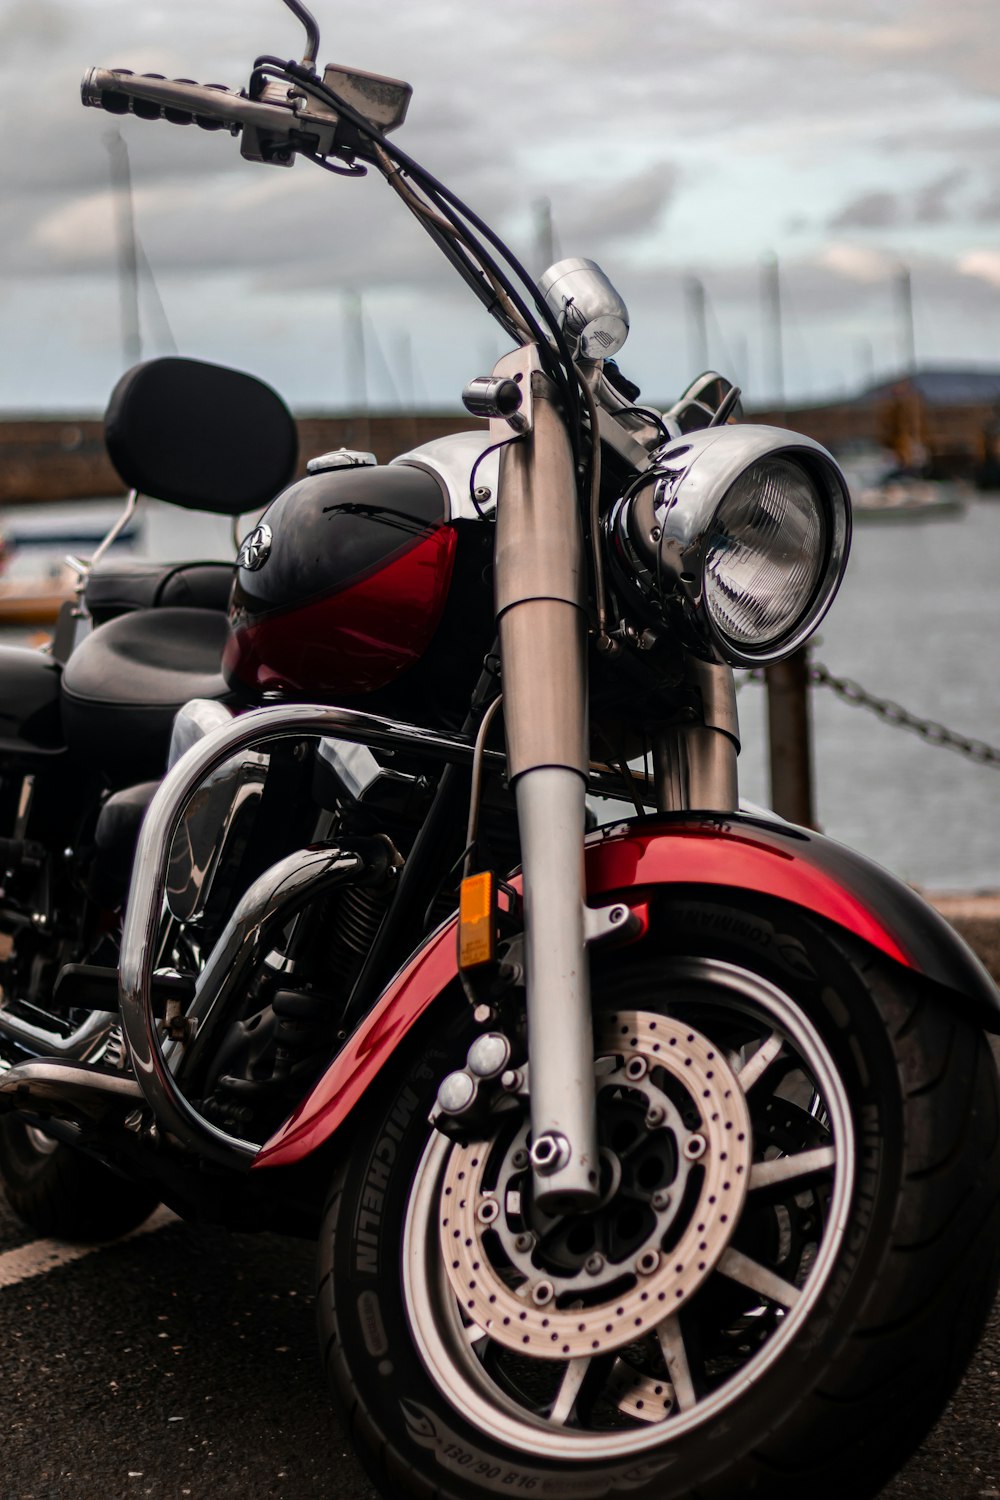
pixel 856 262
pixel 875 210
pixel 30 24
pixel 933 202
pixel 600 215
pixel 667 138
pixel 988 209
pixel 983 264
pixel 930 203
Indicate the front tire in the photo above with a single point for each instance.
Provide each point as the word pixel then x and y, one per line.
pixel 825 1298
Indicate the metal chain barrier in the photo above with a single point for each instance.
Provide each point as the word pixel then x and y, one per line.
pixel 893 713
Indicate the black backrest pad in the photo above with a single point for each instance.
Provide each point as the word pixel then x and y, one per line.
pixel 200 435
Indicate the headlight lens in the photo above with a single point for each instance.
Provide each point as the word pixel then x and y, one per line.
pixel 765 554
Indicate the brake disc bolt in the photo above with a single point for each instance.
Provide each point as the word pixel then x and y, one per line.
pixel 648 1262
pixel 661 1200
pixel 695 1146
pixel 524 1242
pixel 655 1116
pixel 594 1264
pixel 542 1292
pixel 519 1159
pixel 487 1211
pixel 636 1068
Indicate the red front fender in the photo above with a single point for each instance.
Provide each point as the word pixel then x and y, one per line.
pixel 738 852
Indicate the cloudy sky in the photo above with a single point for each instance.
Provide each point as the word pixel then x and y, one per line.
pixel 673 140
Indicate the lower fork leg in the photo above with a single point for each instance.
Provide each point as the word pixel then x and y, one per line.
pixel 551 809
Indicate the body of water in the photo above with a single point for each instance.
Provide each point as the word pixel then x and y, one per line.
pixel 917 620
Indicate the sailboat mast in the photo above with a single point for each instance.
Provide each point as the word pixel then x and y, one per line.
pixel 128 255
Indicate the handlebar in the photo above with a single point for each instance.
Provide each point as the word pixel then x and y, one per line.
pixel 273 126
pixel 152 97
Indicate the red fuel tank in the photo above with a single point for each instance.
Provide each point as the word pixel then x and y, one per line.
pixel 342 585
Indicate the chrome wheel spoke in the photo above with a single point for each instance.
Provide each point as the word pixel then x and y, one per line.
pixel 675 1358
pixel 756 1066
pixel 760 1279
pixel 569 1390
pixel 787 1168
pixel 569 1347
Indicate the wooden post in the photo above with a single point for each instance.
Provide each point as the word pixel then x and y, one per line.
pixel 790 739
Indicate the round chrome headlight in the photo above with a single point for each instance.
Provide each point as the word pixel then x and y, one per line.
pixel 738 540
pixel 765 554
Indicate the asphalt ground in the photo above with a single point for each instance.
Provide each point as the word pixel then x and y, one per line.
pixel 180 1362
pixel 183 1362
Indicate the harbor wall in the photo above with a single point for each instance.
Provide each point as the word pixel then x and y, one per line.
pixel 60 458
pixel 63 458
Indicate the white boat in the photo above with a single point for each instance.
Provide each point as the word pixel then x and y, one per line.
pixel 880 492
pixel 35 578
pixel 908 499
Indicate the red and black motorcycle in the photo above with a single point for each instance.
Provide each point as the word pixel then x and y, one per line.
pixel 654 1153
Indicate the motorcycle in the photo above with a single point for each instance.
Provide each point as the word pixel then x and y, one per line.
pixel 654 1155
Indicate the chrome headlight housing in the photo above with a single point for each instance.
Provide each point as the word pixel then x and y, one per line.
pixel 737 538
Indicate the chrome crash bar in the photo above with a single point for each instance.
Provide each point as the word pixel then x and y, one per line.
pixel 270 901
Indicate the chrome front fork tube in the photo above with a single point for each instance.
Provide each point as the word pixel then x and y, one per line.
pixel 550 813
pixel 695 764
pixel 541 618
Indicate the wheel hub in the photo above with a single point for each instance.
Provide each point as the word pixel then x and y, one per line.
pixel 676 1153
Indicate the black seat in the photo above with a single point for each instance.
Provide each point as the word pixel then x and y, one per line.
pixel 201 436
pixel 120 585
pixel 206 438
pixel 124 683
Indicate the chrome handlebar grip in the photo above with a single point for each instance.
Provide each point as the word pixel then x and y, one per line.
pixel 213 106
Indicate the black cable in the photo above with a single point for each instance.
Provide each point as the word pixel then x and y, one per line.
pixel 654 417
pixel 557 363
pixel 472 477
pixel 547 314
pixel 352 170
pixel 274 67
pixel 449 204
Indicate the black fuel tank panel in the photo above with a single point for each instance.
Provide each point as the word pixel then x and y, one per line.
pixel 330 529
pixel 340 588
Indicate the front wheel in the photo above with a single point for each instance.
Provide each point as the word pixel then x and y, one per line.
pixel 793 1254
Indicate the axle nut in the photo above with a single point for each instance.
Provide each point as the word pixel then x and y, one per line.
pixel 550 1153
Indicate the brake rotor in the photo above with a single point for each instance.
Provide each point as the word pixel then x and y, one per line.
pixel 690 1092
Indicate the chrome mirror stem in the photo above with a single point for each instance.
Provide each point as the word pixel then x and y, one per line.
pixel 312 32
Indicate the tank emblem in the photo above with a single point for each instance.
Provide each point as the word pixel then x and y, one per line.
pixel 256 549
